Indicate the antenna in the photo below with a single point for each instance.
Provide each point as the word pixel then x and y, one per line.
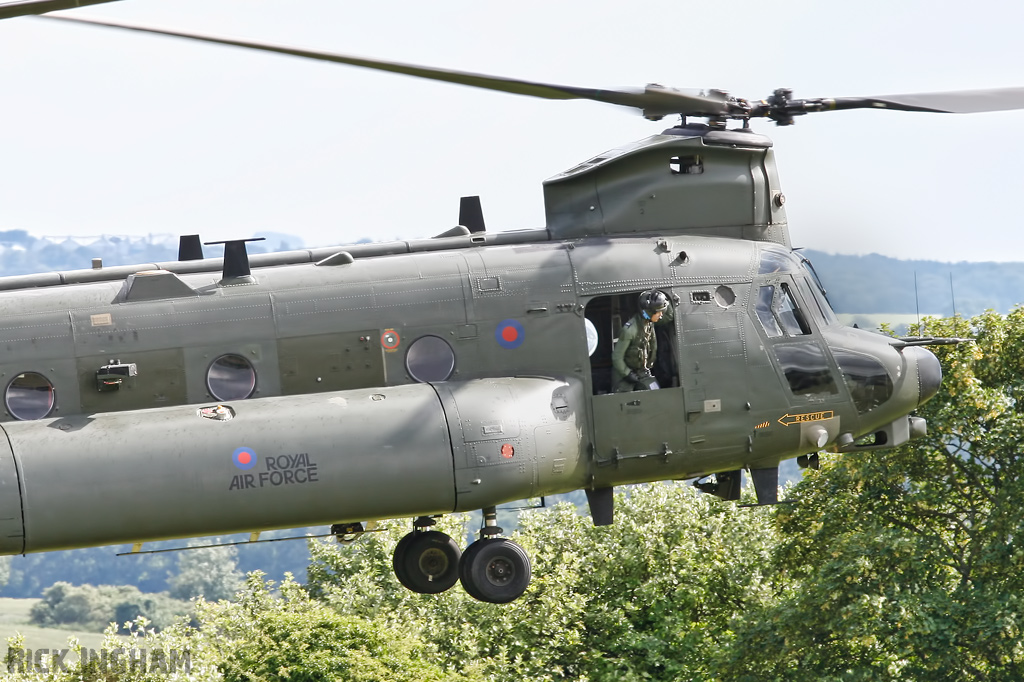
pixel 236 260
pixel 917 302
pixel 190 247
pixel 952 297
pixel 471 214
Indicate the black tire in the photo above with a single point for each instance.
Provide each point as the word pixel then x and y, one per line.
pixel 495 570
pixel 427 562
pixel 398 559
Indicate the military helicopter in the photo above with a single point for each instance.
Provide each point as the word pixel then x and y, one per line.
pixel 413 379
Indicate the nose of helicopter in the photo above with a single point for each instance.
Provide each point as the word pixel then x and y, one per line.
pixel 929 372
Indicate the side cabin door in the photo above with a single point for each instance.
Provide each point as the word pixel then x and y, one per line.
pixel 631 427
pixel 717 369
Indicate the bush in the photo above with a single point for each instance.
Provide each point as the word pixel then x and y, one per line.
pixel 93 607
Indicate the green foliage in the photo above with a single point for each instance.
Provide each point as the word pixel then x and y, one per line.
pixel 907 564
pixel 211 572
pixel 651 597
pixel 33 573
pixel 263 637
pixel 95 607
pixel 260 637
pixel 133 653
pixel 901 564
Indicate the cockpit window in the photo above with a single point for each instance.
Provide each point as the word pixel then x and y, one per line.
pixel 775 261
pixel 869 383
pixel 779 313
pixel 819 294
pixel 823 306
pixel 792 318
pixel 806 368
pixel 821 310
pixel 765 295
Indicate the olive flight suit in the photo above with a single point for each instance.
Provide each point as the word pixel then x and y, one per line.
pixel 635 351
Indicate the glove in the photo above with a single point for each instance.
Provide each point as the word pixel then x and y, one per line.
pixel 633 377
pixel 643 380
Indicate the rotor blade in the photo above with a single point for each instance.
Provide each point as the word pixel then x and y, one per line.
pixel 27 7
pixel 956 102
pixel 654 100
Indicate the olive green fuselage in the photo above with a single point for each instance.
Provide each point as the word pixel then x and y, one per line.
pixel 338 425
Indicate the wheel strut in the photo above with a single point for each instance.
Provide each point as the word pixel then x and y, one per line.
pixel 491 527
pixel 422 522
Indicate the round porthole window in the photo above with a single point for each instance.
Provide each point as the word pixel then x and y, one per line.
pixel 725 296
pixel 29 396
pixel 592 338
pixel 430 358
pixel 231 377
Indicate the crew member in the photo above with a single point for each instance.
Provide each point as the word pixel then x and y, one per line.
pixel 637 346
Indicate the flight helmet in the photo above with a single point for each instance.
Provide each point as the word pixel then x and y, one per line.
pixel 653 301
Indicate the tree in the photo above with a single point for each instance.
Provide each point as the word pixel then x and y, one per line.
pixel 209 572
pixel 33 573
pixel 263 637
pixel 95 607
pixel 907 564
pixel 652 597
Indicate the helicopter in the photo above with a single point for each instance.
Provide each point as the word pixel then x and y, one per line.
pixel 416 378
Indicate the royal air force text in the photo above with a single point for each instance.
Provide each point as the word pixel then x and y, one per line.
pixel 277 471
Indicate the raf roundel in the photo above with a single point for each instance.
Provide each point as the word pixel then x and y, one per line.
pixel 510 334
pixel 244 458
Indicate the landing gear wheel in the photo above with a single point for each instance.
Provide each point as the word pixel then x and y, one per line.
pixel 494 570
pixel 427 562
pixel 398 559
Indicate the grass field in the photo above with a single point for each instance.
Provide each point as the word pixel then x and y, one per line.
pixel 14 621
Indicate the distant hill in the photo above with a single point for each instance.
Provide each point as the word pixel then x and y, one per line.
pixel 876 284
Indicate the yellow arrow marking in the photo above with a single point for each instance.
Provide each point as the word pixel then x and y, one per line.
pixel 788 419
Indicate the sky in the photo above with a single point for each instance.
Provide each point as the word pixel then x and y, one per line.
pixel 108 132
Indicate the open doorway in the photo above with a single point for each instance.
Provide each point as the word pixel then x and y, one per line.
pixel 608 314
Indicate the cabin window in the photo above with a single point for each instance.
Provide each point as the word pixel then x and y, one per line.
pixel 593 338
pixel 29 396
pixel 686 165
pixel 725 296
pixel 430 358
pixel 869 383
pixel 231 377
pixel 806 368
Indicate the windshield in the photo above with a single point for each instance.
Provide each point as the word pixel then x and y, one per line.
pixel 818 292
